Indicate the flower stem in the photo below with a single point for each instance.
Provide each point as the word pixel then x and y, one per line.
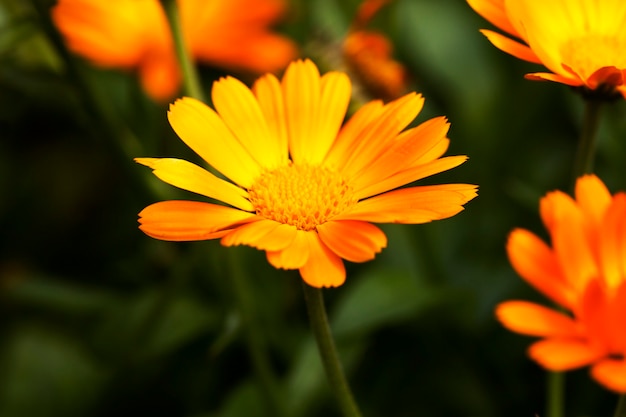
pixel 191 80
pixel 556 392
pixel 328 352
pixel 588 138
pixel 620 410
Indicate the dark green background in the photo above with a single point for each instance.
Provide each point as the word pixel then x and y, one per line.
pixel 97 319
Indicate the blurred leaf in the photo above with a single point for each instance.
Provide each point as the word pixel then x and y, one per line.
pixel 378 298
pixel 153 324
pixel 46 374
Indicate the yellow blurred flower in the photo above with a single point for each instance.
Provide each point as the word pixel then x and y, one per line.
pixel 302 187
pixel 584 272
pixel 581 42
pixel 368 55
pixel 134 34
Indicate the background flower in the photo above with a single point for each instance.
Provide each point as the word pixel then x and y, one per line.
pixel 584 272
pixel 580 41
pixel 304 189
pixel 134 34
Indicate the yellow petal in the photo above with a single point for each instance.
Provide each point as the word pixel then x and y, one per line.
pixel 204 132
pixel 190 177
pixel 323 268
pixel 563 354
pixel 270 97
pixel 334 100
pixel 264 235
pixel 534 261
pixel 240 111
pixel 354 241
pixel 413 205
pixel 535 320
pixel 301 89
pixel 611 373
pixel 189 220
pixel 293 256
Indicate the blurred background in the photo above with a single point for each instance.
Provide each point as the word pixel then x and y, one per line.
pixel 97 319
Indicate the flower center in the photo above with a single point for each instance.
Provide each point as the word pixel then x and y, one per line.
pixel 591 52
pixel 301 195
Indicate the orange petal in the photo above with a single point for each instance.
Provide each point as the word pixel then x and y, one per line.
pixel 380 133
pixel 189 220
pixel 96 29
pixel 323 268
pixel 495 12
pixel 293 256
pixel 354 241
pixel 535 320
pixel 612 242
pixel 533 260
pixel 240 111
pixel 190 177
pixel 409 147
pixel 408 175
pixel 563 354
pixel 204 131
pixel 264 235
pixel 593 197
pixel 160 76
pixel 413 205
pixel 548 76
pixel 270 97
pixel 511 47
pixel 611 373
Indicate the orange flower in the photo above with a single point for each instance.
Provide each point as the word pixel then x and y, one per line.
pixel 302 187
pixel 369 55
pixel 581 41
pixel 134 34
pixel 585 273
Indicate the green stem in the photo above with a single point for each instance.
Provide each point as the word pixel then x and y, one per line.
pixel 620 410
pixel 328 352
pixel 255 342
pixel 191 80
pixel 556 393
pixel 588 138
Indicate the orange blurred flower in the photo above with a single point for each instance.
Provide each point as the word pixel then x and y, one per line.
pixel 585 273
pixel 134 34
pixel 368 55
pixel 581 41
pixel 300 186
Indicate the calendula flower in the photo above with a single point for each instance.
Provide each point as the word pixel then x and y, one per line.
pixel 134 34
pixel 581 42
pixel 299 185
pixel 368 55
pixel 584 272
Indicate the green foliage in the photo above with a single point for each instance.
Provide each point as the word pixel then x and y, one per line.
pixel 97 319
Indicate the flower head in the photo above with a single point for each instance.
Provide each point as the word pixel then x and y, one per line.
pixel 134 34
pixel 581 42
pixel 368 55
pixel 585 273
pixel 299 185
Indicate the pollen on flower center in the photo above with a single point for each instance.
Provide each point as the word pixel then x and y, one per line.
pixel 593 51
pixel 301 195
